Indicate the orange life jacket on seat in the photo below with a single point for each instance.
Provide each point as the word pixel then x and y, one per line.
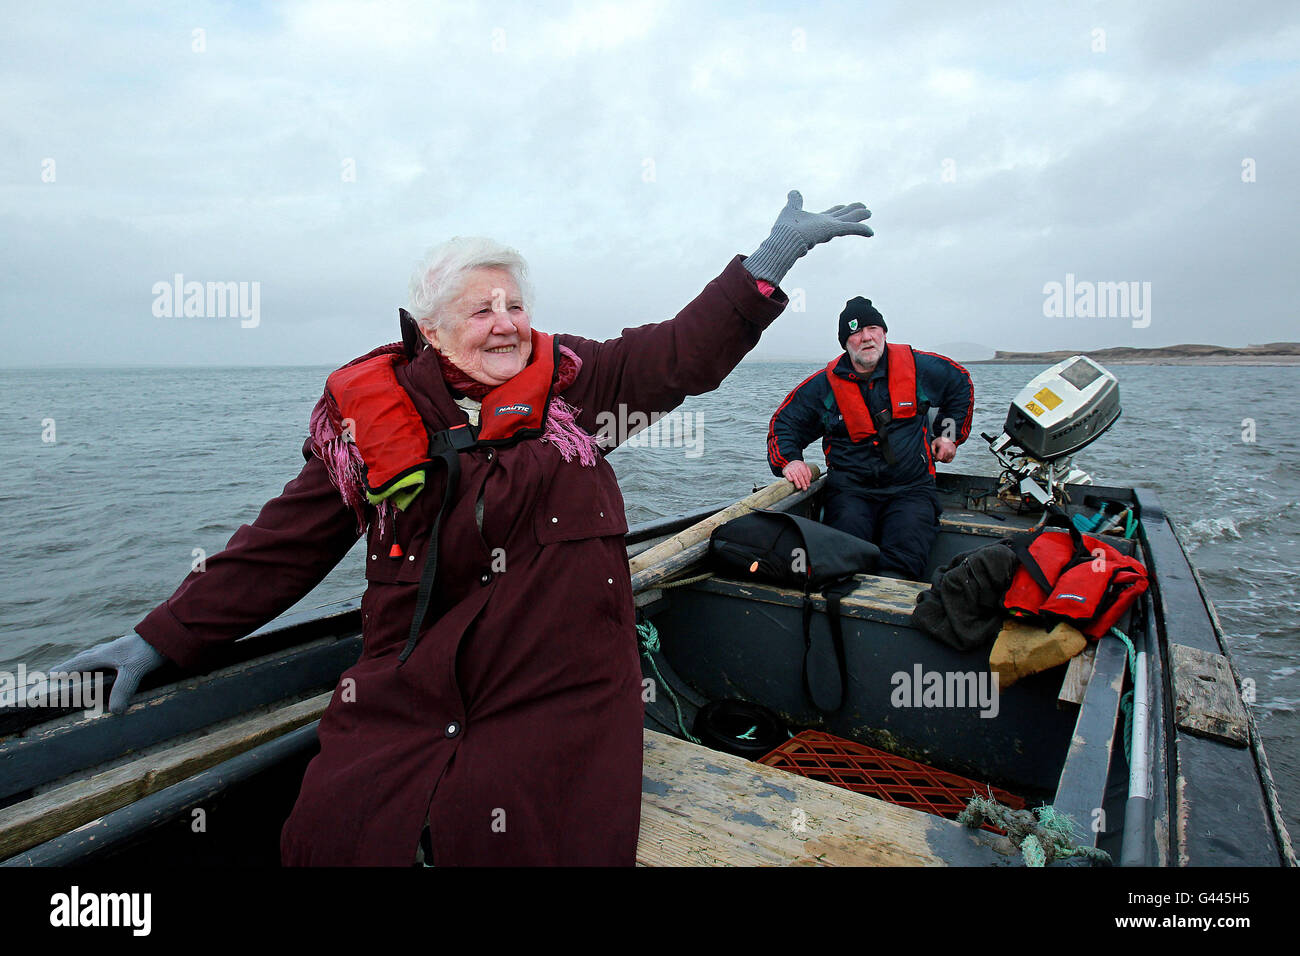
pixel 1071 576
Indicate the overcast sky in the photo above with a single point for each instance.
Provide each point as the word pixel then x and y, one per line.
pixel 629 150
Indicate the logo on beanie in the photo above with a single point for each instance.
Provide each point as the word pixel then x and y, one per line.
pixel 853 325
pixel 517 409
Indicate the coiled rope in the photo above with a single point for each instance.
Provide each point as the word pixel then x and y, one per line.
pixel 649 635
pixel 1042 836
pixel 1046 834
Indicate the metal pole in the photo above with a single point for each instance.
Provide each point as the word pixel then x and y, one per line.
pixel 1137 811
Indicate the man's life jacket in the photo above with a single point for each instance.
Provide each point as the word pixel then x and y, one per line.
pixel 902 394
pixel 1071 576
pixel 398 449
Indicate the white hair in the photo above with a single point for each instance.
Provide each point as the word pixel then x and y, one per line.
pixel 441 276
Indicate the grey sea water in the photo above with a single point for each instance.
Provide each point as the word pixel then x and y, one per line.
pixel 148 465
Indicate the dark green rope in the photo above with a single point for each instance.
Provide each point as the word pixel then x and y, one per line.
pixel 649 635
pixel 1126 702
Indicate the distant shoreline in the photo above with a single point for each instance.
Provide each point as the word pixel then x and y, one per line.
pixel 1166 360
pixel 1274 353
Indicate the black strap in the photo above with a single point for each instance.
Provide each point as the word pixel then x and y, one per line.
pixel 1055 518
pixel 445 447
pixel 1020 545
pixel 886 449
pixel 880 420
pixel 832 593
pixel 808 648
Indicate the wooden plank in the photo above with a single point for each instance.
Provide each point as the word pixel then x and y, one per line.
pixel 700 807
pixel 875 598
pixel 1081 789
pixel 101 838
pixel 647 597
pixel 1077 674
pixel 669 566
pixel 887 595
pixel 987 526
pixel 968 522
pixel 1206 699
pixel 50 814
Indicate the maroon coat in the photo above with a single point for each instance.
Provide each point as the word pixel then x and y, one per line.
pixel 515 726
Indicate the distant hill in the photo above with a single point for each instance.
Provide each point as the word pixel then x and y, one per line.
pixel 1274 353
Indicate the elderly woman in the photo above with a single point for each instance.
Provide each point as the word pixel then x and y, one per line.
pixel 495 714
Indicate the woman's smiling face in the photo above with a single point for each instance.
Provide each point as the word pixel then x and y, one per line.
pixel 485 331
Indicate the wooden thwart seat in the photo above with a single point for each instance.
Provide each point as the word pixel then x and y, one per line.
pixel 874 597
pixel 52 813
pixel 700 807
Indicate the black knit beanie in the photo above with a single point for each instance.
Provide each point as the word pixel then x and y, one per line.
pixel 858 313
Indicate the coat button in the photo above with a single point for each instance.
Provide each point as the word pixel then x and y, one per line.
pixel 602 514
pixel 410 557
pixel 453 729
pixel 374 557
pixel 554 520
pixel 485 578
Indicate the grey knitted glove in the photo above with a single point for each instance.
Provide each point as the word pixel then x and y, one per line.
pixel 130 655
pixel 797 231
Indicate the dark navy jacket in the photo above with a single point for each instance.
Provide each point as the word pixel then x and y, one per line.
pixel 810 412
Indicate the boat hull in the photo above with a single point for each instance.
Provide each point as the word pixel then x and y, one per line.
pixel 1208 800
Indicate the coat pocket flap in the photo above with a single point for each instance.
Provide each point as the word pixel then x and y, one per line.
pixel 409 531
pixel 580 502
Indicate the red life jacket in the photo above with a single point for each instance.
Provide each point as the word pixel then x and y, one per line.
pixel 902 393
pixel 1074 577
pixel 392 437
pixel 901 364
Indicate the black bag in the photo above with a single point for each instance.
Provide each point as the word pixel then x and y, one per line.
pixel 795 552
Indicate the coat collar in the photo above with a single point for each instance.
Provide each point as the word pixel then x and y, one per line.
pixel 423 381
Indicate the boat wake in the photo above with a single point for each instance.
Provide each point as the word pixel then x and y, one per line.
pixel 1204 530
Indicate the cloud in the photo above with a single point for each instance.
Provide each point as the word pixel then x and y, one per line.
pixel 629 150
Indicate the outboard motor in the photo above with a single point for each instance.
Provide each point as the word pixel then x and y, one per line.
pixel 1059 412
